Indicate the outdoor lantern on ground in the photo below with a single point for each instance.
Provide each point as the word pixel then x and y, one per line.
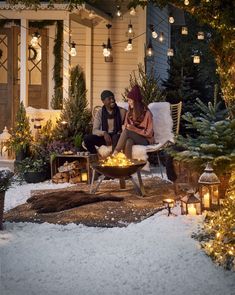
pixel 190 204
pixel 169 203
pixel 209 188
pixel 4 151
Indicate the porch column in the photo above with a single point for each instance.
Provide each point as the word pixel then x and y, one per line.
pixel 66 58
pixel 89 65
pixel 23 62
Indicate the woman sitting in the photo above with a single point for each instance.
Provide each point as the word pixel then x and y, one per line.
pixel 138 125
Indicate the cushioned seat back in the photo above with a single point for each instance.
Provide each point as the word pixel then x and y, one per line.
pixel 162 121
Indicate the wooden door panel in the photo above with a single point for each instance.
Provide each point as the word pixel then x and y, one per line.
pixel 38 73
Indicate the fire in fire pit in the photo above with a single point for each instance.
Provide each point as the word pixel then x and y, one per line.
pixel 118 160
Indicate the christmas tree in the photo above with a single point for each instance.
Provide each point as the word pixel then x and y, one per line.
pixel 75 117
pixel 21 138
pixel 149 85
pixel 213 138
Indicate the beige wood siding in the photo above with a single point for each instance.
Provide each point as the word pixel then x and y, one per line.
pixel 78 35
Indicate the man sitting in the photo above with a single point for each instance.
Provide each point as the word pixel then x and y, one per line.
pixel 107 125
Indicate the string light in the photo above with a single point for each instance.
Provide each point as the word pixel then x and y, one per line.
pixel 91 14
pixel 132 11
pixel 161 37
pixel 154 33
pixel 170 52
pixel 130 31
pixel 171 19
pixel 73 51
pixel 196 59
pixel 35 39
pixel 184 31
pixel 129 46
pixel 119 13
pixel 149 50
pixel 186 2
pixel 200 36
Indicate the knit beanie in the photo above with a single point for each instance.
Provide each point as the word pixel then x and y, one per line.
pixel 135 94
pixel 106 93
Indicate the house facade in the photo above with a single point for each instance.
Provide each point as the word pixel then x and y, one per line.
pixel 26 72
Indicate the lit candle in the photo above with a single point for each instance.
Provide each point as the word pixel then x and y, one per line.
pixel 206 200
pixel 84 176
pixel 192 210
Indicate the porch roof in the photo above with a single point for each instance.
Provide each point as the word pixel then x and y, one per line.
pixel 84 14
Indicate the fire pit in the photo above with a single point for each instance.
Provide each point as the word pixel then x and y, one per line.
pixel 120 167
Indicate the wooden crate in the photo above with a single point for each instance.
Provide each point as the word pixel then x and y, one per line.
pixel 59 160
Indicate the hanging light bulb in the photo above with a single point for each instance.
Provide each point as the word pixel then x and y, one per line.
pixel 105 50
pixel 161 37
pixel 171 19
pixel 129 46
pixel 73 51
pixel 130 28
pixel 184 31
pixel 186 2
pixel 35 39
pixel 154 33
pixel 200 36
pixel 196 59
pixel 149 50
pixel 91 14
pixel 119 13
pixel 170 52
pixel 132 11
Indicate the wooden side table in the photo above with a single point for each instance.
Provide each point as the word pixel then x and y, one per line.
pixel 84 160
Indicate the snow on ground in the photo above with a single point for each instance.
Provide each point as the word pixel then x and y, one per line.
pixel 18 194
pixel 157 256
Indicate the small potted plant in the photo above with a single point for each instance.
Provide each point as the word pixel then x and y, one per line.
pixel 5 182
pixel 21 138
pixel 33 170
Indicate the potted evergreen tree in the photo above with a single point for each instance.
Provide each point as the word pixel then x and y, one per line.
pixel 21 136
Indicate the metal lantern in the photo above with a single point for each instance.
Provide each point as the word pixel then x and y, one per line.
pixel 191 205
pixel 209 187
pixel 4 151
pixel 169 203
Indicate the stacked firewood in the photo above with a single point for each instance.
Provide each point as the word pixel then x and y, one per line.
pixel 69 172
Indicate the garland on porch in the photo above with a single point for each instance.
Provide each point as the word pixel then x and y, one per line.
pixel 57 99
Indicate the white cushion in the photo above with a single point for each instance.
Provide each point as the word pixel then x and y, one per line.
pixel 162 122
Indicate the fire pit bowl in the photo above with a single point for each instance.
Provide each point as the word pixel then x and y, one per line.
pixel 118 171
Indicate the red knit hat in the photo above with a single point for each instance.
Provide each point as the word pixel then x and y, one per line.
pixel 135 94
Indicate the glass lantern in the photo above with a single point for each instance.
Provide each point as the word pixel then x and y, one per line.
pixel 209 188
pixel 169 203
pixel 191 205
pixel 4 151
